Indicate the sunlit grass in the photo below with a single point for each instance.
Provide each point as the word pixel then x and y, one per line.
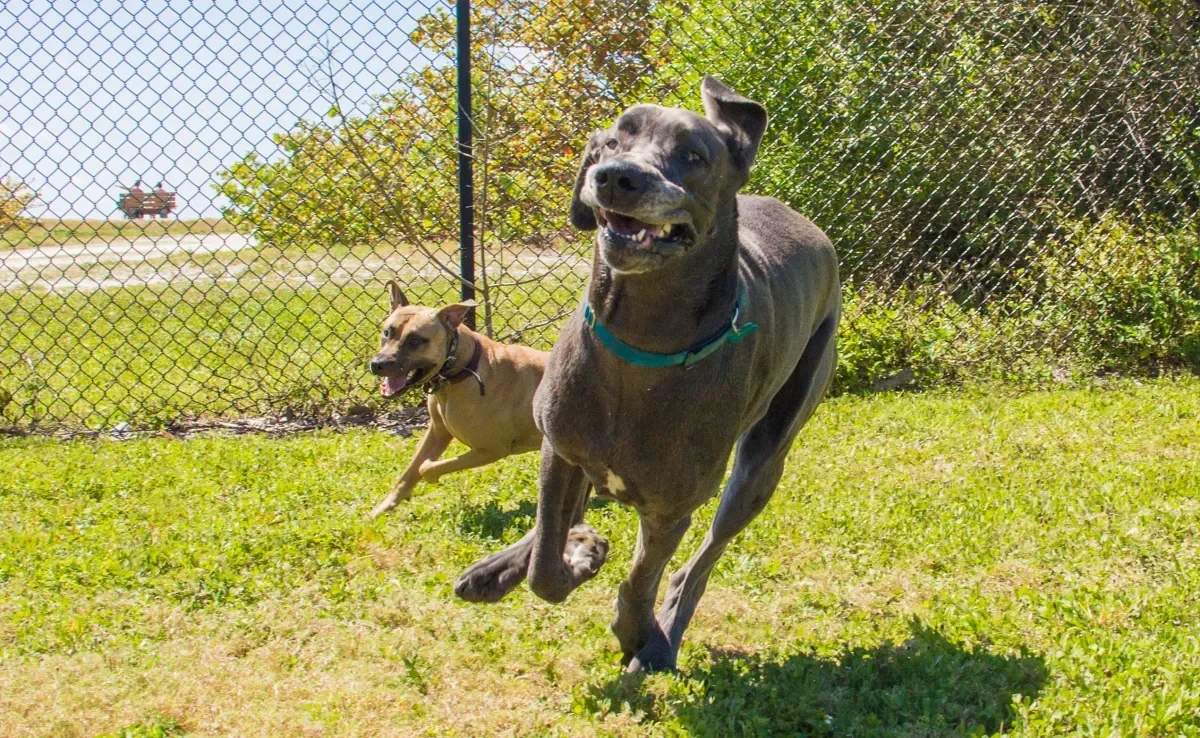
pixel 152 354
pixel 939 564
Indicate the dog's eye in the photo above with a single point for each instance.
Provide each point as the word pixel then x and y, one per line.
pixel 414 341
pixel 611 143
pixel 387 333
pixel 694 156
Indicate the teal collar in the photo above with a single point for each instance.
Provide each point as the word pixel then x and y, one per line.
pixel 731 334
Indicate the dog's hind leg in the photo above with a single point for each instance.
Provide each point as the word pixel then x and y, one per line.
pixel 432 470
pixel 757 469
pixel 433 444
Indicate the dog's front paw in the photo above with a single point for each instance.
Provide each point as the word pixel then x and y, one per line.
pixel 585 553
pixel 400 491
pixel 382 508
pixel 492 578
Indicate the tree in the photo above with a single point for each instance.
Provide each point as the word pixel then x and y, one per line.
pixel 15 196
pixel 947 136
pixel 541 76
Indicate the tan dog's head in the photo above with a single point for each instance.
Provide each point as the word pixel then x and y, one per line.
pixel 415 342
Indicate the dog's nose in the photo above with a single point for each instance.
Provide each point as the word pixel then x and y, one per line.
pixel 615 179
pixel 380 365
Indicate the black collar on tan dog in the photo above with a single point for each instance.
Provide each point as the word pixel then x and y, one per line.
pixel 448 375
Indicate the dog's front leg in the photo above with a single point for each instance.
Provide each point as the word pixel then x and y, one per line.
pixel 644 645
pixel 433 444
pixel 566 553
pixel 577 551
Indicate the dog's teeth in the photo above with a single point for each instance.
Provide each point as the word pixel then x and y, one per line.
pixel 640 235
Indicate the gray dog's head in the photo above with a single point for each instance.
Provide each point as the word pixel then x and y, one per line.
pixel 655 182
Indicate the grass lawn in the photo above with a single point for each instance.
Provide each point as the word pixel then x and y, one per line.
pixel 151 354
pixel 940 564
pixel 46 232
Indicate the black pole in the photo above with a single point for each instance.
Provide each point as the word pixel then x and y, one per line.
pixel 466 186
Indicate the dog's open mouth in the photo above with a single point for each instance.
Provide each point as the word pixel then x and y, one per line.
pixel 634 232
pixel 392 386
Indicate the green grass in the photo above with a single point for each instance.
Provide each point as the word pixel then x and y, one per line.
pixel 967 563
pixel 152 354
pixel 46 231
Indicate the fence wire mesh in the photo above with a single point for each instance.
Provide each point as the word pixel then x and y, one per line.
pixel 1009 183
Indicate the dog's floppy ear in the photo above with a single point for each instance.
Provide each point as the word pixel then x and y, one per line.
pixel 744 119
pixel 453 315
pixel 582 216
pixel 397 295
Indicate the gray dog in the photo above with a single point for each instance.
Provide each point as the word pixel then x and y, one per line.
pixel 710 322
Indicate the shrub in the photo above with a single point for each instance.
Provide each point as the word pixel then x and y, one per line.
pixel 1124 296
pixel 950 134
pixel 909 336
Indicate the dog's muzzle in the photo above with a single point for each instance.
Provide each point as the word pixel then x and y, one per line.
pixel 393 380
pixel 636 208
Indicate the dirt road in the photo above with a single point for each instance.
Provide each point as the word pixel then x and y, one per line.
pixel 226 258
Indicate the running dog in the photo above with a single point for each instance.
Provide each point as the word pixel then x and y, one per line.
pixel 708 329
pixel 480 391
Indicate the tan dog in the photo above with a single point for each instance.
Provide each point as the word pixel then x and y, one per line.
pixel 480 391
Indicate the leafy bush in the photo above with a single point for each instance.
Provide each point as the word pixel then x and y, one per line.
pixel 908 337
pixel 1125 296
pixel 1109 296
pixel 952 134
pixel 372 181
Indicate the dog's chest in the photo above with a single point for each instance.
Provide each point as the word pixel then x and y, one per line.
pixel 651 440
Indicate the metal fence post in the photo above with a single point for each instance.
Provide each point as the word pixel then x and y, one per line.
pixel 466 186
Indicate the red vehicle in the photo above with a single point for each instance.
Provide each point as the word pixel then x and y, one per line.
pixel 137 203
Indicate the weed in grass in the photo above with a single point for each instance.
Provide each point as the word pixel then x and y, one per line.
pixel 152 728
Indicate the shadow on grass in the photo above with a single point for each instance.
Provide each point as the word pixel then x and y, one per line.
pixel 491 520
pixel 925 686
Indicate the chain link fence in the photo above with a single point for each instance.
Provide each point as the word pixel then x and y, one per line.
pixel 1012 185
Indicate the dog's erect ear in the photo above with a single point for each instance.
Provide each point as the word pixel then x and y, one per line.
pixel 744 119
pixel 582 216
pixel 454 314
pixel 397 295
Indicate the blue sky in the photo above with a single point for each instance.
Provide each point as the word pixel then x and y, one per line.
pixel 94 95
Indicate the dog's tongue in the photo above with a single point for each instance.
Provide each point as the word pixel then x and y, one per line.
pixel 391 386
